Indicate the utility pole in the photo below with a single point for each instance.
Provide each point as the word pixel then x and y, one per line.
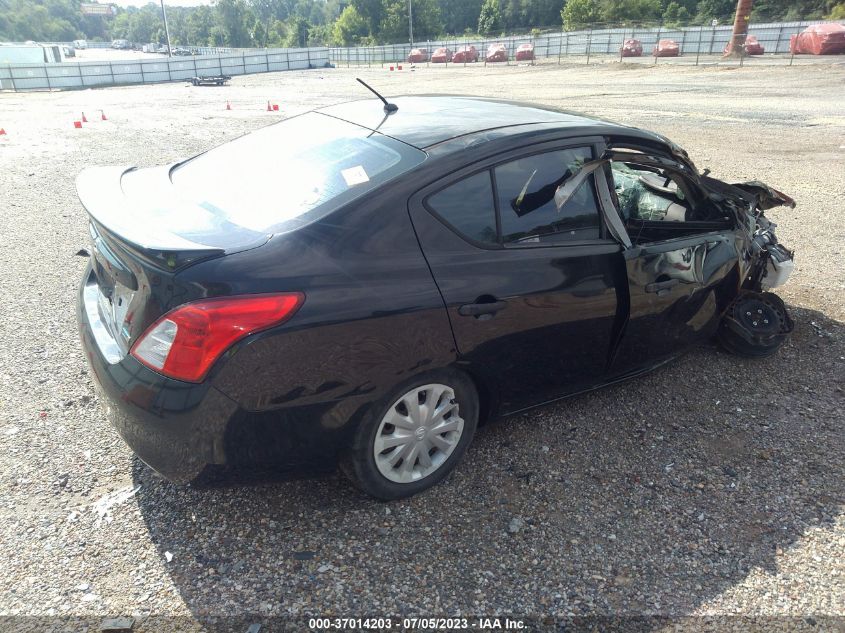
pixel 740 31
pixel 411 23
pixel 166 29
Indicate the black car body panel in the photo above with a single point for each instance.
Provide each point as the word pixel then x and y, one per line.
pixel 177 428
pixel 392 290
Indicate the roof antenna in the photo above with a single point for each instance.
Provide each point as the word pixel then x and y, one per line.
pixel 390 108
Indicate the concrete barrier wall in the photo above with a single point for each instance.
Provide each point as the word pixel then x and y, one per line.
pixel 70 75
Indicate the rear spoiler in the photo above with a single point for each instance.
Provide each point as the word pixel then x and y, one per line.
pixel 133 222
pixel 100 193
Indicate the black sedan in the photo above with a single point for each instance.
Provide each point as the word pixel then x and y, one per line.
pixel 364 284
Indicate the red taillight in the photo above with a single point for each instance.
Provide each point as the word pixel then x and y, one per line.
pixel 185 342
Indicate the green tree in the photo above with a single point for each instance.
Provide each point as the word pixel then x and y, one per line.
pixel 459 15
pixel 297 32
pixel 394 25
pixel 198 26
pixel 675 15
pixel 145 25
pixel 236 20
pixel 715 9
pixel 619 11
pixel 372 12
pixel 513 14
pixel 579 14
pixel 320 35
pixel 349 28
pixel 244 23
pixel 542 13
pixel 490 19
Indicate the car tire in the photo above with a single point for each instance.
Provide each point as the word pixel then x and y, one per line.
pixel 386 474
pixel 755 325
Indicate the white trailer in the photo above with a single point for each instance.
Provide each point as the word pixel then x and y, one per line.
pixel 30 54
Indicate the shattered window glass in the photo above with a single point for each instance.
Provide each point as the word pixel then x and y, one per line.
pixel 646 195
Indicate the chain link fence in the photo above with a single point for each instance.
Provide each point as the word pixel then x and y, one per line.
pixel 696 44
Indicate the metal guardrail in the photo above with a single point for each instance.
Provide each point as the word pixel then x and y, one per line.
pixel 70 75
pixel 697 40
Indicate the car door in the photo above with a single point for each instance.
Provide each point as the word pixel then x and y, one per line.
pixel 530 289
pixel 681 266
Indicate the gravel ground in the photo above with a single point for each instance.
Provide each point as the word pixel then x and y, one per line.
pixel 712 487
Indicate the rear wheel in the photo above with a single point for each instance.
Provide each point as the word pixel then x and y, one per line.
pixel 415 437
pixel 755 326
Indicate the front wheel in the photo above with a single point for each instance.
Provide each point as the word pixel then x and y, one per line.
pixel 415 437
pixel 755 325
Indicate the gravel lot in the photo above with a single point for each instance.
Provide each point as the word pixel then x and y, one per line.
pixel 712 487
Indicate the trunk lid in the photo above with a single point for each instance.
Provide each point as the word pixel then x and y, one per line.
pixel 141 234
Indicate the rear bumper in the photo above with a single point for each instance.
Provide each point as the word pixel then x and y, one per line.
pixel 177 428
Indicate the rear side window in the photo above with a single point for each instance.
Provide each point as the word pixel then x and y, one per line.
pixel 526 195
pixel 468 207
pixel 285 175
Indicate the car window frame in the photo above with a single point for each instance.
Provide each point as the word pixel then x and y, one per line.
pixel 597 146
pixel 497 245
pixel 695 228
pixel 590 181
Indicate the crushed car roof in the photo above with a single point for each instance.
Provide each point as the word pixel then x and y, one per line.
pixel 423 121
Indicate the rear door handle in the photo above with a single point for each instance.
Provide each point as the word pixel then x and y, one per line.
pixel 661 288
pixel 482 309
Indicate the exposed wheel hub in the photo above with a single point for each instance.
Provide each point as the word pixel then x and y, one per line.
pixel 759 318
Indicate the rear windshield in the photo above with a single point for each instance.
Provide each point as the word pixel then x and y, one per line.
pixel 288 174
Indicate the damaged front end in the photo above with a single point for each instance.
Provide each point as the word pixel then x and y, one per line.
pixel 756 323
pixel 770 262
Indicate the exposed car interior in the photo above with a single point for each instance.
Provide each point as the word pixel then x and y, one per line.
pixel 659 203
pixel 646 194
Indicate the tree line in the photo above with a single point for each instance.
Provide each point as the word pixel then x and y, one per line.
pixel 297 23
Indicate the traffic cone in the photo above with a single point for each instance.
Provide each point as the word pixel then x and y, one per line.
pixel 269 107
pixel 228 107
pixel 77 124
pixel 275 107
pixel 2 132
pixel 84 120
pixel 103 116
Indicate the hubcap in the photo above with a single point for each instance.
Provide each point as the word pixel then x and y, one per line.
pixel 418 433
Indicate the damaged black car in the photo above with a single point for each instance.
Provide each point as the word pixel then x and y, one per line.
pixel 366 283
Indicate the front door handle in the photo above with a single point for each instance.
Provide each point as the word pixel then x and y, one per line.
pixel 482 310
pixel 661 288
